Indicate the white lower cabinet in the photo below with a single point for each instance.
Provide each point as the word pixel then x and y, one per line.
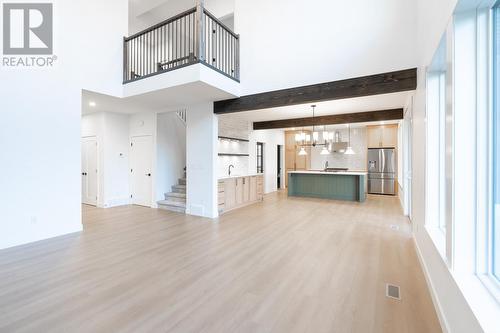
pixel 239 192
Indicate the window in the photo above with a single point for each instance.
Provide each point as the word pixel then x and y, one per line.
pixel 436 194
pixel 495 229
pixel 260 157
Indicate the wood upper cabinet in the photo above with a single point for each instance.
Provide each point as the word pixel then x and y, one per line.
pixel 383 136
pixel 294 161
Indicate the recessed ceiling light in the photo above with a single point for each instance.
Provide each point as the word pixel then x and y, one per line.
pixel 92 104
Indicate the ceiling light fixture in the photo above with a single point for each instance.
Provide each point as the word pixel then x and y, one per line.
pixel 92 104
pixel 349 150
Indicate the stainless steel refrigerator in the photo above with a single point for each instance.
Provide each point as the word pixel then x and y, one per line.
pixel 381 171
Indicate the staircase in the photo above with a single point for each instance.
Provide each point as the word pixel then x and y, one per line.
pixel 175 201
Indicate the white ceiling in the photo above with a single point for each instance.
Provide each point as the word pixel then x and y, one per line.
pixel 349 105
pixel 179 97
pixel 170 99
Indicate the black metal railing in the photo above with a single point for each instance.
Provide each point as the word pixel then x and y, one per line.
pixel 195 36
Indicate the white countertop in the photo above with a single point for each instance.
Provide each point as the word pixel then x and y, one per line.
pixel 240 176
pixel 320 172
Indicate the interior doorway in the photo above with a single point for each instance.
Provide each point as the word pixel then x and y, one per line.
pixel 89 170
pixel 141 148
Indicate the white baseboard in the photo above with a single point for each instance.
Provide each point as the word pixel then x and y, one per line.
pixel 115 202
pixel 435 300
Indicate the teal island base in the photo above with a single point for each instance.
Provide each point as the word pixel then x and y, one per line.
pixel 327 185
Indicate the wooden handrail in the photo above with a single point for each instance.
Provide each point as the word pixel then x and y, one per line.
pixel 161 24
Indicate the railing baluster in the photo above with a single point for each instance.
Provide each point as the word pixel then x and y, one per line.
pixel 193 36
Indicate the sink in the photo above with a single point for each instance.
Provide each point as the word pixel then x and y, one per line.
pixel 335 169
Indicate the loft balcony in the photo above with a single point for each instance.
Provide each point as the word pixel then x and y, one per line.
pixel 190 38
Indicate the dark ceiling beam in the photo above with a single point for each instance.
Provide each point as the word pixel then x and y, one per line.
pixel 347 118
pixel 377 84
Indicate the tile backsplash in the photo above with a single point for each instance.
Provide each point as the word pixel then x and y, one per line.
pixel 231 126
pixel 356 162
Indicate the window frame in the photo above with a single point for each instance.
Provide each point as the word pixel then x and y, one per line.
pixel 438 107
pixel 488 50
pixel 260 157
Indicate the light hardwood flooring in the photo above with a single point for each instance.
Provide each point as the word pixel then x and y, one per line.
pixel 284 265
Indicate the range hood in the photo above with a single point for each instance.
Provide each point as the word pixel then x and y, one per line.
pixel 339 147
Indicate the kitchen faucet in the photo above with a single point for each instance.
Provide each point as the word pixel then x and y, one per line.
pixel 229 169
pixel 326 165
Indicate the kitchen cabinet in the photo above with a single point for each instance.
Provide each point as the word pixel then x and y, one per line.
pixel 239 192
pixel 246 189
pixel 253 189
pixel 382 136
pixel 294 161
pixel 229 193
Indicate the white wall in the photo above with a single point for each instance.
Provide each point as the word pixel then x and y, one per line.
pixel 293 43
pixel 201 157
pixel 271 139
pixel 40 133
pixel 116 147
pixel 144 14
pixel 111 131
pixel 170 152
pixel 455 314
pixel 355 162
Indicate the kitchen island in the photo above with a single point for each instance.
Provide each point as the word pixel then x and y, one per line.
pixel 344 185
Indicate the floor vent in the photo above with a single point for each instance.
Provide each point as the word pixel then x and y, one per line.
pixel 392 291
pixel 394 227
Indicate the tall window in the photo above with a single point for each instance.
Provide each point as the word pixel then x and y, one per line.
pixel 495 239
pixel 260 157
pixel 436 141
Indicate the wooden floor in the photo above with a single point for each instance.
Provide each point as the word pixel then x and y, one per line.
pixel 284 265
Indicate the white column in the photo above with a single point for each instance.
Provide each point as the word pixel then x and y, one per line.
pixel 201 157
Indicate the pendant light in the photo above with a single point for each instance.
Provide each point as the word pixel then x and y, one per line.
pixel 324 151
pixel 349 150
pixel 302 151
pixel 315 135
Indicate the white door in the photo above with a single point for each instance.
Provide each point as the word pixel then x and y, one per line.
pixel 89 171
pixel 141 148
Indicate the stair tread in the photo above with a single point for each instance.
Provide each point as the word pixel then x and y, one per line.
pixel 172 203
pixel 175 194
